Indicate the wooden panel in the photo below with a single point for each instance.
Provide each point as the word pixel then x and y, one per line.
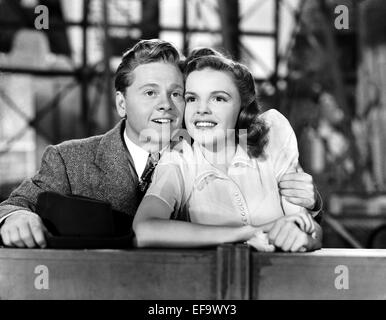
pixel 313 275
pixel 233 272
pixel 109 274
pixel 230 272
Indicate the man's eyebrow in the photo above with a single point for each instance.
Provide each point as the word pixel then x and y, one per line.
pixel 149 85
pixel 174 86
pixel 189 92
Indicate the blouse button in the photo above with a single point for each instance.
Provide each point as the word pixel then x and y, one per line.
pixel 236 194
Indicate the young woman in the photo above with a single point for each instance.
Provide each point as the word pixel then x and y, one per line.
pixel 224 188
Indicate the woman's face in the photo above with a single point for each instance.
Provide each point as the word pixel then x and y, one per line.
pixel 212 106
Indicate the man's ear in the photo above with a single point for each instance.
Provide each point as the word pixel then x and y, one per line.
pixel 120 104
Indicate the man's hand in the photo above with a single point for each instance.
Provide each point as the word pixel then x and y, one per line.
pixel 287 236
pixel 303 220
pixel 23 229
pixel 298 188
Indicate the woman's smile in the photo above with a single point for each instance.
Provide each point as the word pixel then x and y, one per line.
pixel 202 124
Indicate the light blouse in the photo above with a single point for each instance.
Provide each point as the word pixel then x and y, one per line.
pixel 247 193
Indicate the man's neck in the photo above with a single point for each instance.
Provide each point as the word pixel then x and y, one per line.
pixel 148 146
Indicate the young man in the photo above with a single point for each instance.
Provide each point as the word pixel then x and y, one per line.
pixel 149 97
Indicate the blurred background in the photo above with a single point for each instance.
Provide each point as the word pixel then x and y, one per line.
pixel 330 82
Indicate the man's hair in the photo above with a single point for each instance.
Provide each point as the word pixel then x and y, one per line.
pixel 257 129
pixel 145 51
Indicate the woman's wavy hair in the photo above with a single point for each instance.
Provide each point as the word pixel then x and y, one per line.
pixel 145 51
pixel 257 129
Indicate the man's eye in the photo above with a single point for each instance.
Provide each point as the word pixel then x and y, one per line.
pixel 176 94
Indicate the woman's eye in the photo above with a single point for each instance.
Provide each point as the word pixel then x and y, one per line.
pixel 150 93
pixel 190 99
pixel 219 99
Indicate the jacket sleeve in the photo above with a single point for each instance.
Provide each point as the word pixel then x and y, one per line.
pixel 52 176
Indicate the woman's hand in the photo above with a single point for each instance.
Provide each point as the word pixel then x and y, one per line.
pixel 260 242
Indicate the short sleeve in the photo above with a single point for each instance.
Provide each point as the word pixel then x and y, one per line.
pixel 167 185
pixel 282 146
pixel 171 179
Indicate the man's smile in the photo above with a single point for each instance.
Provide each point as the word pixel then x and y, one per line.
pixel 162 120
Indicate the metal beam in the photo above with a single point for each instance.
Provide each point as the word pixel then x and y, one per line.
pixel 229 17
pixel 107 73
pixel 150 25
pixel 84 76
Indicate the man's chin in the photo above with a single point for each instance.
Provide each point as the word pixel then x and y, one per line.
pixel 156 141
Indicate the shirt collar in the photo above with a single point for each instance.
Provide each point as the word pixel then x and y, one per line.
pixel 242 157
pixel 205 170
pixel 138 154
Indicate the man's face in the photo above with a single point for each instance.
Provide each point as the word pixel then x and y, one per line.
pixel 154 104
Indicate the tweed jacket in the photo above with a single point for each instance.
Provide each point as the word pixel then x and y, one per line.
pixel 99 167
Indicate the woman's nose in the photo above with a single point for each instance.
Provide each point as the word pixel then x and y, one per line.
pixel 203 108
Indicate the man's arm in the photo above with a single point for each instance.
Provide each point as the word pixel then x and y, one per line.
pixel 21 227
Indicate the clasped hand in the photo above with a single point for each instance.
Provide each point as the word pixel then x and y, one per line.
pixel 288 233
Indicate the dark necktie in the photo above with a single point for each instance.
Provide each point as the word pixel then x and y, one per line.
pixel 145 179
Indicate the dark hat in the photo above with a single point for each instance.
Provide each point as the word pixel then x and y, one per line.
pixel 77 222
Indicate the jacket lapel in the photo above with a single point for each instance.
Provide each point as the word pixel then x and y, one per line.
pixel 118 180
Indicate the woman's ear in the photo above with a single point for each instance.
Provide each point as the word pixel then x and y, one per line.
pixel 120 104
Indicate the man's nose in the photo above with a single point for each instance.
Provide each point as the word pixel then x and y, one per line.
pixel 165 103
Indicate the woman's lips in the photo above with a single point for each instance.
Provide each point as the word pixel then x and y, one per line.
pixel 204 124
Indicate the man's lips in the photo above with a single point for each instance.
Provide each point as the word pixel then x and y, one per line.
pixel 204 124
pixel 162 120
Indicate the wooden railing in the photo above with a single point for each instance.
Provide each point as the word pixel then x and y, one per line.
pixel 228 272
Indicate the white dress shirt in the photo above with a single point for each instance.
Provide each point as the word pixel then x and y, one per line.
pixel 138 154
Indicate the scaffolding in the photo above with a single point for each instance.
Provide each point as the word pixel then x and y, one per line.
pixel 100 74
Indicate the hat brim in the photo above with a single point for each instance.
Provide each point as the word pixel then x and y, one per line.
pixel 66 242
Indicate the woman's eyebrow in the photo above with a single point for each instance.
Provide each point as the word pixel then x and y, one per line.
pixel 213 92
pixel 221 91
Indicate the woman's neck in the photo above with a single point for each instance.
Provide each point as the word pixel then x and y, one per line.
pixel 220 156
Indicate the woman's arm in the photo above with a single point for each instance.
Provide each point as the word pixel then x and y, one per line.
pixel 153 228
